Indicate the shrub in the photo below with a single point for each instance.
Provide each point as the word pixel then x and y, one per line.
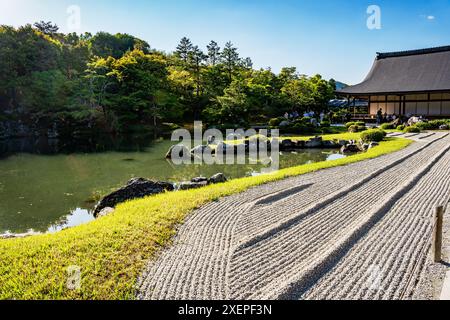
pixel 275 122
pixel 432 125
pixel 356 128
pixel 306 120
pixel 325 124
pixel 387 126
pixel 357 123
pixel 412 129
pixel 376 135
pixel 401 127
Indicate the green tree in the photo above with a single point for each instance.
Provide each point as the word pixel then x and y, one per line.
pixel 214 54
pixel 46 27
pixel 184 49
pixel 230 58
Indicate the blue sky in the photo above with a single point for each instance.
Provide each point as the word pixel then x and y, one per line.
pixel 329 37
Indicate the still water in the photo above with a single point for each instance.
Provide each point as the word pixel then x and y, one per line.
pixel 48 185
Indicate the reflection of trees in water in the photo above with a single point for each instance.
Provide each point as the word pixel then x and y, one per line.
pixel 100 143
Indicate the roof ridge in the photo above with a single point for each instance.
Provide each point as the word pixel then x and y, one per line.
pixel 412 52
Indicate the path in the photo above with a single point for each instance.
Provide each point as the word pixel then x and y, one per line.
pixel 342 233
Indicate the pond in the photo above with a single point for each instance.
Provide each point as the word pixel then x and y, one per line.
pixel 48 185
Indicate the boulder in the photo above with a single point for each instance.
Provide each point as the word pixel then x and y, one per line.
pixel 373 144
pixel 180 150
pixel 223 148
pixel 330 144
pixel 444 127
pixel 191 185
pixel 135 189
pixel 287 145
pixel 285 124
pixel 199 179
pixel 211 140
pixel 105 211
pixel 350 148
pixel 217 178
pixel 201 150
pixel 316 142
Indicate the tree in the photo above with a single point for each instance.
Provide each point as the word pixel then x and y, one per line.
pixel 105 45
pixel 184 49
pixel 214 53
pixel 230 57
pixel 46 27
pixel 247 63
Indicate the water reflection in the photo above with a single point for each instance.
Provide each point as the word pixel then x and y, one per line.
pixel 42 181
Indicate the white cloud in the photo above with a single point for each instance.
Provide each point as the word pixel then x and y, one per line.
pixel 431 17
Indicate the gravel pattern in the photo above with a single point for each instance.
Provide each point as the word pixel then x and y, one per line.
pixel 321 235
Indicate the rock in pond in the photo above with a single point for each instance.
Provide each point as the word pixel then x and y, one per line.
pixel 105 211
pixel 135 189
pixel 201 149
pixel 316 142
pixel 199 180
pixel 191 185
pixel 217 178
pixel 287 145
pixel 180 150
pixel 350 148
pixel 330 144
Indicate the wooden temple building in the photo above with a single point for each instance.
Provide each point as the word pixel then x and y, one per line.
pixel 410 83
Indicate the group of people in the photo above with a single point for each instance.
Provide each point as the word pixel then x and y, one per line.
pixel 385 117
pixel 310 114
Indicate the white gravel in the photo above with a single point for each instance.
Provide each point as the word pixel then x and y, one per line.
pixel 318 236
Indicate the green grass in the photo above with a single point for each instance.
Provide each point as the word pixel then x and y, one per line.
pixel 112 251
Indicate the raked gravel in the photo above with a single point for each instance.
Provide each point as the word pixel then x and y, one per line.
pixel 352 232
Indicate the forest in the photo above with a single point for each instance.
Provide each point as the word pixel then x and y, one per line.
pixel 71 83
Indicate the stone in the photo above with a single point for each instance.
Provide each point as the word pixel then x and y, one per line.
pixel 223 148
pixel 181 150
pixel 199 179
pixel 444 127
pixel 330 144
pixel 350 148
pixel 135 189
pixel 191 185
pixel 287 145
pixel 285 124
pixel 373 144
pixel 105 211
pixel 201 150
pixel 18 235
pixel 316 142
pixel 217 178
pixel 343 143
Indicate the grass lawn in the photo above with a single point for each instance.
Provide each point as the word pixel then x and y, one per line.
pixel 112 251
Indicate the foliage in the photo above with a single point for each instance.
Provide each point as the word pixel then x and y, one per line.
pixel 356 128
pixel 387 126
pixel 412 129
pixel 376 135
pixel 358 123
pixel 116 82
pixel 401 127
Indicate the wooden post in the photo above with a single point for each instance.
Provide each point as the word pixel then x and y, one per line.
pixel 437 237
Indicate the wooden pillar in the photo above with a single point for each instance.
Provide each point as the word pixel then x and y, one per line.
pixel 437 237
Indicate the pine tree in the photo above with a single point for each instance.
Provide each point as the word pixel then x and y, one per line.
pixel 184 49
pixel 213 53
pixel 230 57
